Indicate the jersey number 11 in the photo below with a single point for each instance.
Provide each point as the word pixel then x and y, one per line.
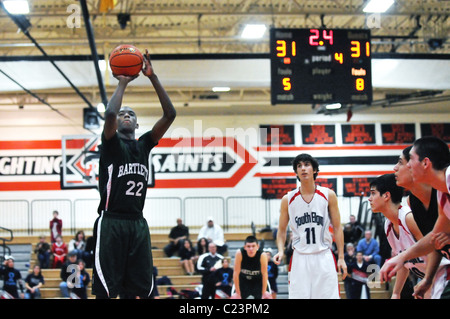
pixel 310 235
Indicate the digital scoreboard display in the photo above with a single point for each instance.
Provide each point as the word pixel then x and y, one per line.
pixel 320 66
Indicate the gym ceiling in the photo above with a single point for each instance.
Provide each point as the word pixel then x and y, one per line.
pixel 196 44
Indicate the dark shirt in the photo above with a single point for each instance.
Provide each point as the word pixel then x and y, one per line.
pixel 206 262
pixel 124 173
pixel 179 231
pixel 224 276
pixel 425 218
pixel 32 280
pixel 10 277
pixel 186 254
pixel 65 272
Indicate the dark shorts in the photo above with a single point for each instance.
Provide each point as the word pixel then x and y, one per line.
pixel 123 262
pixel 251 288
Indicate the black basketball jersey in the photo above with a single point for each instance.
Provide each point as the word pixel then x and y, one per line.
pixel 250 267
pixel 424 218
pixel 124 173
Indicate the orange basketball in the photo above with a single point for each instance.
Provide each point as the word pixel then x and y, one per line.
pixel 126 59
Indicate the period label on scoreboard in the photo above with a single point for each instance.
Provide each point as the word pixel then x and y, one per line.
pixel 320 66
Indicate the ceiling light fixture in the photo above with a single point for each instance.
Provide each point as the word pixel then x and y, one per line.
pixel 221 89
pixel 17 7
pixel 378 6
pixel 253 31
pixel 333 106
pixel 101 107
pixel 102 65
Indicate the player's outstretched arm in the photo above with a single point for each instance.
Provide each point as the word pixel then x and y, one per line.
pixel 282 230
pixel 114 105
pixel 236 272
pixel 162 125
pixel 421 248
pixel 433 260
pixel 265 275
pixel 335 217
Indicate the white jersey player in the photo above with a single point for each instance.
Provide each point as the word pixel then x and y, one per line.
pixel 428 162
pixel 402 232
pixel 444 197
pixel 309 211
pixel 309 221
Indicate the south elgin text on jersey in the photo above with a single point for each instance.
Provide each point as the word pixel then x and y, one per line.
pixel 307 218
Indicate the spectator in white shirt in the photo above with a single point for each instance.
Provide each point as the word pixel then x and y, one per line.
pixel 213 233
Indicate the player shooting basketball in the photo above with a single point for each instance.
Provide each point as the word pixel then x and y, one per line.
pixel 123 258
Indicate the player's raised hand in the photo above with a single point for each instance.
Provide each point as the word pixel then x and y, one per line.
pixel 147 70
pixel 125 78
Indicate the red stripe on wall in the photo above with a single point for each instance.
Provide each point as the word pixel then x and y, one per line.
pixel 330 148
pixel 35 145
pixel 30 186
pixel 356 173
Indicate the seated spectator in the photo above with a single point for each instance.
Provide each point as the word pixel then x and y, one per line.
pixel 33 283
pixel 59 250
pixel 187 257
pixel 78 245
pixel 82 281
pixel 176 237
pixel 202 246
pixel 272 273
pixel 43 252
pixel 359 277
pixel 353 231
pixel 224 279
pixel 370 248
pixel 349 258
pixel 207 264
pixel 214 234
pixel 12 279
pixel 67 269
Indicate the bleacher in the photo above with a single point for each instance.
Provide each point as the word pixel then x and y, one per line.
pixel 170 267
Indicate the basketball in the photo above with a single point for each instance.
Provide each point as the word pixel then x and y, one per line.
pixel 126 59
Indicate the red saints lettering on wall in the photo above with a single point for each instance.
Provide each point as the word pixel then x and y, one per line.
pixel 185 163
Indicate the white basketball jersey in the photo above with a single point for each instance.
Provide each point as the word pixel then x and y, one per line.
pixel 403 241
pixel 309 222
pixel 444 198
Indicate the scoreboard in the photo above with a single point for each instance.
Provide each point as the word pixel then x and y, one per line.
pixel 320 66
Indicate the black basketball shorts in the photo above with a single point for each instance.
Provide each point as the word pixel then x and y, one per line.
pixel 123 261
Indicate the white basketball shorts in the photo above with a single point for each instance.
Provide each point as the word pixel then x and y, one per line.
pixel 313 276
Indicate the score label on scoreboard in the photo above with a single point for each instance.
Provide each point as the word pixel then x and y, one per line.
pixel 320 66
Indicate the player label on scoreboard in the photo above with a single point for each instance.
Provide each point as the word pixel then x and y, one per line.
pixel 320 66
